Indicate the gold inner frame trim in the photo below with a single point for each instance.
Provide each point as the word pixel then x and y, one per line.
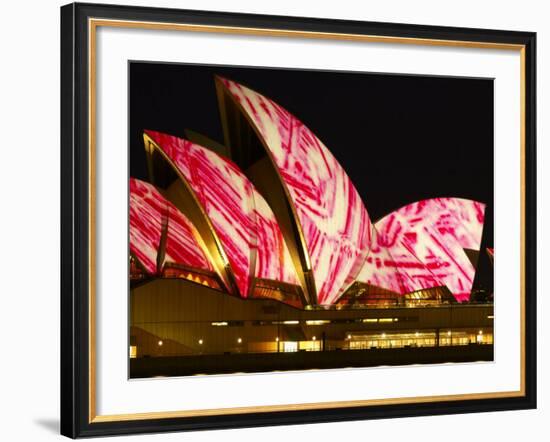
pixel 93 24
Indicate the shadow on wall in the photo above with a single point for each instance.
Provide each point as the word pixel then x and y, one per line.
pixel 49 424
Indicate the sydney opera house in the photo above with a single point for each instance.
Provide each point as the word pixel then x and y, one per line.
pixel 260 255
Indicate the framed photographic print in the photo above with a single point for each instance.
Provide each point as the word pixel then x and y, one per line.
pixel 278 220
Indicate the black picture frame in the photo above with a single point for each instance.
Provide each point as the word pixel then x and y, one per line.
pixel 77 417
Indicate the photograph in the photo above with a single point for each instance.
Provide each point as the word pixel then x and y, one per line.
pixel 302 219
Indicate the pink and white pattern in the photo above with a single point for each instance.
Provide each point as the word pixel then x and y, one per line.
pixel 436 232
pixel 150 213
pixel 391 266
pixel 333 219
pixel 225 194
pixel 273 260
pixel 182 242
pixel 147 211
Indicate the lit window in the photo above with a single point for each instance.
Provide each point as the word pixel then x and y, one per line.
pixel 290 346
pixel 133 351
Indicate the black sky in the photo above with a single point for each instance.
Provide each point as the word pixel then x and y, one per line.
pixel 399 138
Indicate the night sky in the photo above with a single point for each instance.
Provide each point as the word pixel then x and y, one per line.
pixel 399 138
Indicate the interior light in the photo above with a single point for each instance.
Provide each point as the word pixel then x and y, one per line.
pixel 160 343
pixel 314 338
pixel 239 340
pixel 200 341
